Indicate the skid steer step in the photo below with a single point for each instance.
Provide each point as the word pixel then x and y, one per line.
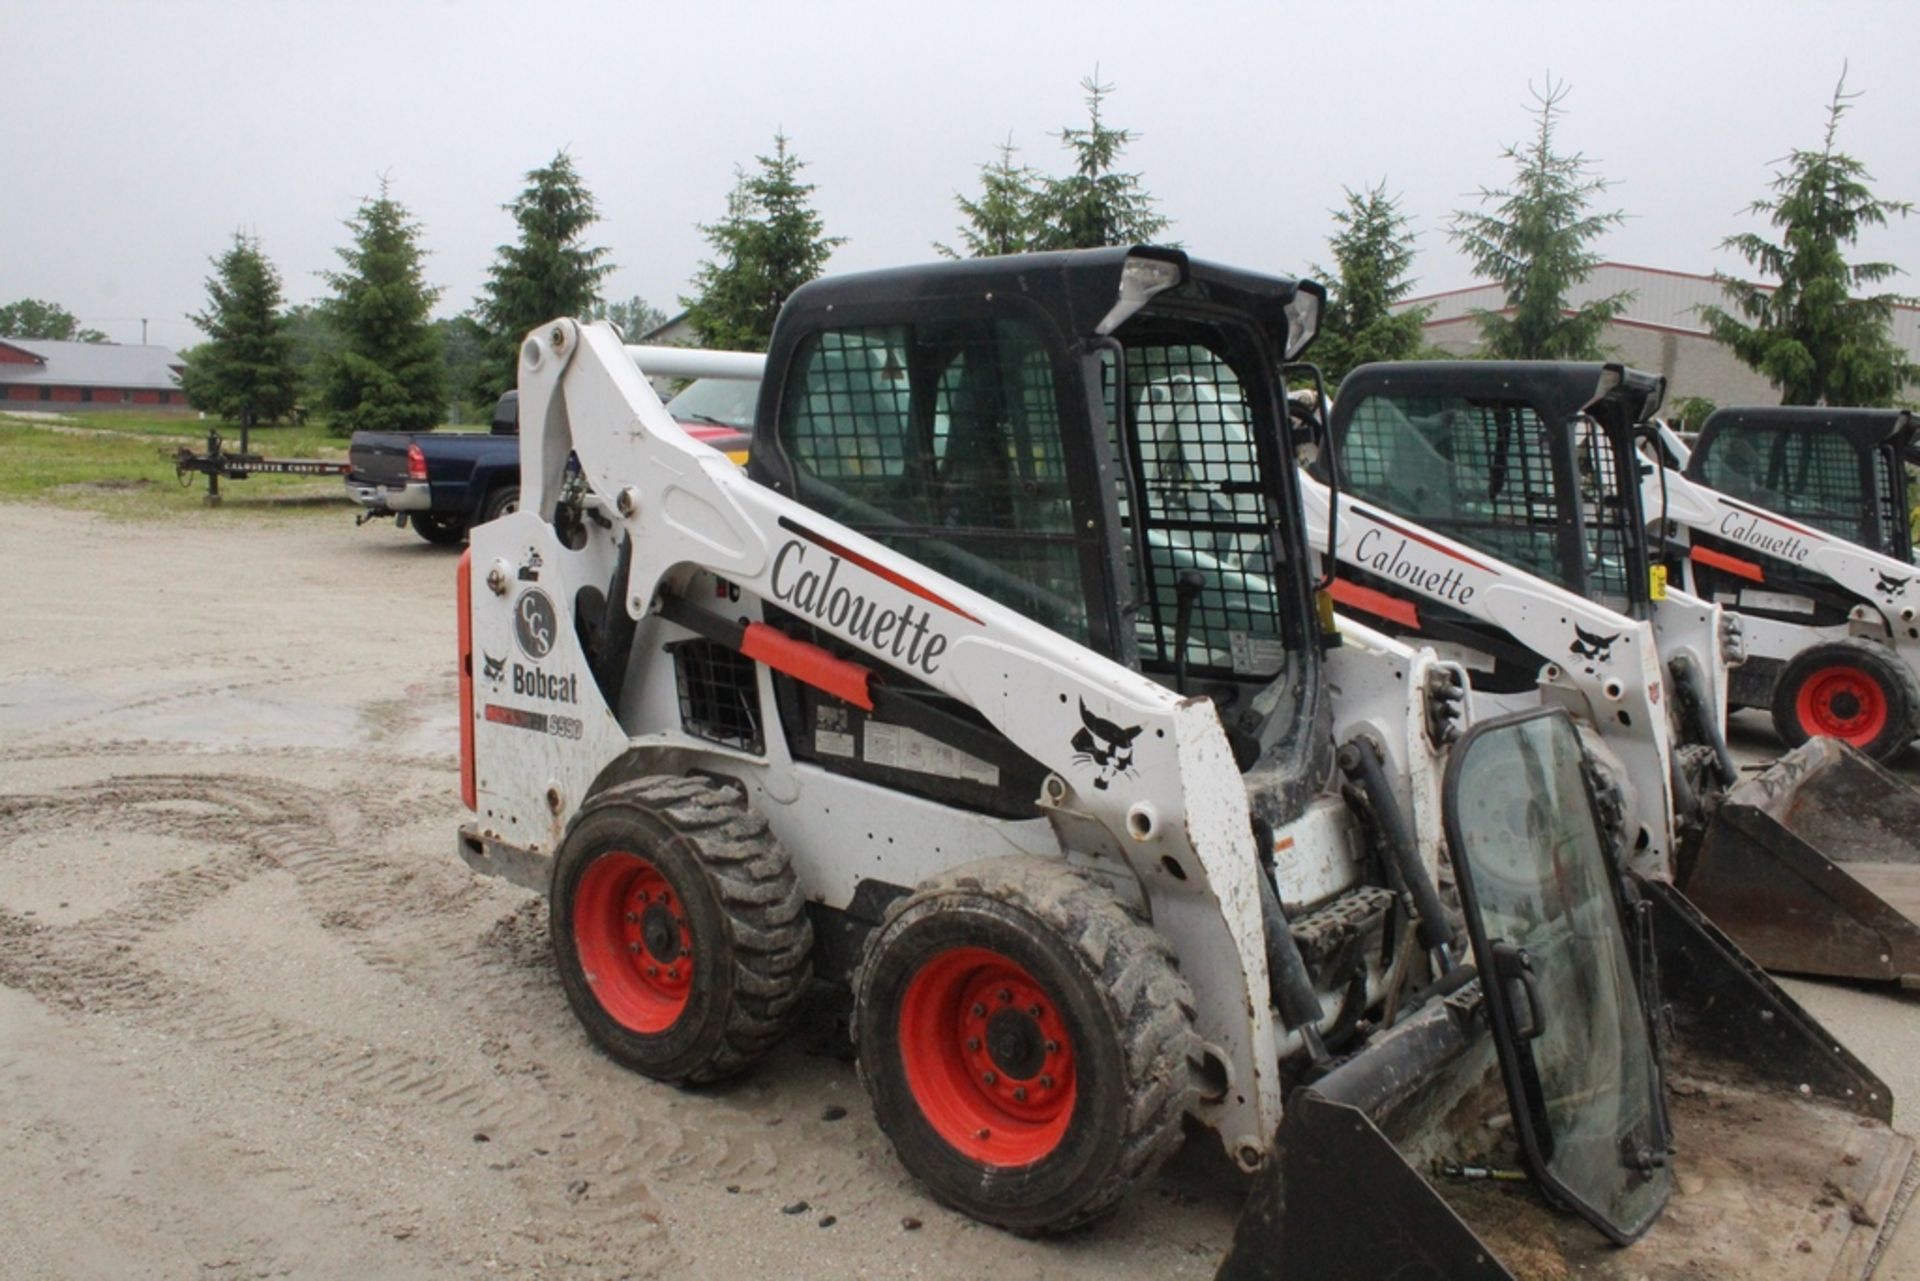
pixel 1814 867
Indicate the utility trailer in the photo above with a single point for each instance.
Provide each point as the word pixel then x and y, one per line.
pixel 970 697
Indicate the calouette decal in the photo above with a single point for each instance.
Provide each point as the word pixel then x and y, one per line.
pixel 1104 745
pixel 1891 586
pixel 495 669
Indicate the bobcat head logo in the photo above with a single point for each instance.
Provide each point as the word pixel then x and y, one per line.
pixel 1891 586
pixel 1591 645
pixel 1104 745
pixel 494 669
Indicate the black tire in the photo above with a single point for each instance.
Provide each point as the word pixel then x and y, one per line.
pixel 1096 974
pixel 500 501
pixel 441 531
pixel 1853 689
pixel 665 871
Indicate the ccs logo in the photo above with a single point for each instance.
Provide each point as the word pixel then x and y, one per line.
pixel 534 622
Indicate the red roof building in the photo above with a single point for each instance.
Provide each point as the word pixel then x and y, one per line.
pixel 84 375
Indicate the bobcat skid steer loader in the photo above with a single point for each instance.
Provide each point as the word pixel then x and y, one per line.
pixel 1495 511
pixel 956 699
pixel 1796 519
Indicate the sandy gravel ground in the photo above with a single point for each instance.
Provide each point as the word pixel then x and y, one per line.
pixel 257 1020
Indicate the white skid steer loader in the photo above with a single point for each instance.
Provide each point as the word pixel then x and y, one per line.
pixel 958 699
pixel 1493 510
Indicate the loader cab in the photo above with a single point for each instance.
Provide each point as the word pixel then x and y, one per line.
pixel 1090 438
pixel 1530 462
pixel 1842 471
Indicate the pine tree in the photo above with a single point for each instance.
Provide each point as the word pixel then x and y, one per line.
pixel 48 321
pixel 1809 335
pixel 1004 218
pixel 1372 252
pixel 386 374
pixel 1096 204
pixel 1535 245
pixel 548 274
pixel 244 371
pixel 768 245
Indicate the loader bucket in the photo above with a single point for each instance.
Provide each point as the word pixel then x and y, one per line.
pixel 1813 867
pixel 1405 1160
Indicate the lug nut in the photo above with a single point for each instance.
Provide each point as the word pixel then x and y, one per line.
pixel 1053 1047
pixel 1034 1010
pixel 991 1078
pixel 979 1010
pixel 973 1044
pixel 653 971
pixel 674 972
pixel 633 947
pixel 633 918
pixel 1019 1094
pixel 1046 1082
pixel 983 1133
pixel 1006 997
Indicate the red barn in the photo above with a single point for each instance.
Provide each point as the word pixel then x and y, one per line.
pixel 84 375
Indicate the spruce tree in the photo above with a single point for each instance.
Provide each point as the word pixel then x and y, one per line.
pixel 1816 341
pixel 549 273
pixel 1534 244
pixel 768 245
pixel 245 368
pixel 1096 204
pixel 1372 253
pixel 386 372
pixel 1004 218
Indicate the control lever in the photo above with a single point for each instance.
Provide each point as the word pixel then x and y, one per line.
pixel 1187 588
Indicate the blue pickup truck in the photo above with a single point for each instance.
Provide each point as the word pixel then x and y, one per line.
pixel 442 483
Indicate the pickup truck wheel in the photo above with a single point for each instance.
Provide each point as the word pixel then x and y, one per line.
pixel 441 531
pixel 503 501
pixel 678 928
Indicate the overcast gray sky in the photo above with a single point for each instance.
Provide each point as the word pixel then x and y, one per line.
pixel 136 137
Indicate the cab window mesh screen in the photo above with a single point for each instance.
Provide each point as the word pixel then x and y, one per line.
pixel 1478 471
pixel 943 442
pixel 1190 434
pixel 1808 475
pixel 1894 535
pixel 1606 512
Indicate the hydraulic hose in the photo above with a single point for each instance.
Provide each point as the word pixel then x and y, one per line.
pixel 1360 761
pixel 1690 687
pixel 1287 978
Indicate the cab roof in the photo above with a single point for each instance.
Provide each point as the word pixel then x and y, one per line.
pixel 1076 287
pixel 1559 388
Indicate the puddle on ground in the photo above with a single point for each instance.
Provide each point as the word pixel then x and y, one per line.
pixel 42 708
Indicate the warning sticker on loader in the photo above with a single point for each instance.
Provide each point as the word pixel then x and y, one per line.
pixel 898 747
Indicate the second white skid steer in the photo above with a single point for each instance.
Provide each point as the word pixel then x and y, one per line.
pixel 956 699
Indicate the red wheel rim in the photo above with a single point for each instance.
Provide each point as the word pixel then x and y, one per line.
pixel 988 1057
pixel 1842 702
pixel 635 944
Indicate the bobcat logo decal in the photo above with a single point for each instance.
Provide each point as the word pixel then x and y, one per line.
pixel 1104 745
pixel 1591 645
pixel 494 669
pixel 1890 586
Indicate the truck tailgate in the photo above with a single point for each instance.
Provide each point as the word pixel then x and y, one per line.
pixel 378 457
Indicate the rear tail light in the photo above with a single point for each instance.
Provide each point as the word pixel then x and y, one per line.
pixel 416 463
